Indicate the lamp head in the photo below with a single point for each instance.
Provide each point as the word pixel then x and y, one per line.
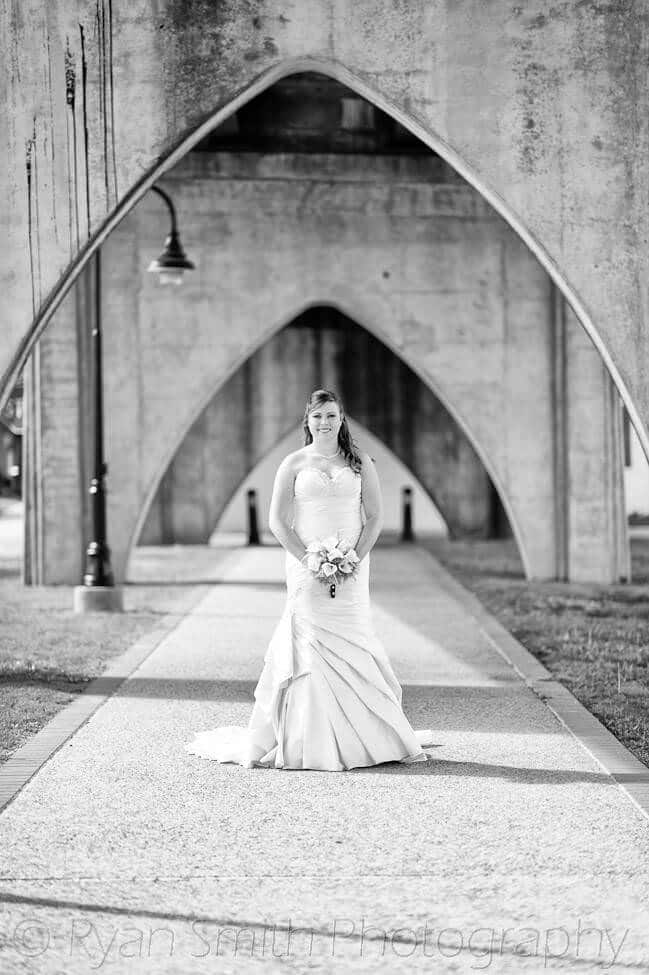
pixel 172 263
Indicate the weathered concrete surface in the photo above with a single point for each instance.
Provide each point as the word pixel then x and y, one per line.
pixel 510 846
pixel 261 402
pixel 545 109
pixel 597 532
pixel 428 269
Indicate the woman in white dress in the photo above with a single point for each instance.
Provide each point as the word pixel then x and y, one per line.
pixel 327 697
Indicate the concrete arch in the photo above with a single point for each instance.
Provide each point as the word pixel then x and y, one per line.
pixel 340 72
pixel 425 439
pixel 427 520
pixel 431 382
pixel 362 438
pixel 421 261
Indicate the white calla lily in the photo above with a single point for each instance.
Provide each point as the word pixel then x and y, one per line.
pixel 334 553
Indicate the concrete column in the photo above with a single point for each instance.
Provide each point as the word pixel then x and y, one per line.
pixel 52 460
pixel 593 529
pixel 559 397
pixel 619 527
pixel 31 472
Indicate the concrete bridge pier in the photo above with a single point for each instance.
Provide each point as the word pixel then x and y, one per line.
pixel 57 445
pixel 590 539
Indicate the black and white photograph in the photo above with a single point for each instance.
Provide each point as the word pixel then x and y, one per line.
pixel 324 486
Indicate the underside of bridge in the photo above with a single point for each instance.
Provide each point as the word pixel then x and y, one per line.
pixel 332 249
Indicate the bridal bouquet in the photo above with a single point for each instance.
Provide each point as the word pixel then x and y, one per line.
pixel 331 560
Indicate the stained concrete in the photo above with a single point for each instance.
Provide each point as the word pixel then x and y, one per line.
pixel 427 268
pixel 265 399
pixel 543 109
pixel 511 845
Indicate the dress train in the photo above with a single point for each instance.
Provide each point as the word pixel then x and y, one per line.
pixel 324 701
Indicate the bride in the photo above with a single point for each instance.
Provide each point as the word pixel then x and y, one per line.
pixel 327 697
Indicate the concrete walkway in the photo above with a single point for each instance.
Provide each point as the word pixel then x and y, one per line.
pixel 512 850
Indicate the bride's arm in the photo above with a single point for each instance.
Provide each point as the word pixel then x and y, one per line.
pixel 373 505
pixel 281 508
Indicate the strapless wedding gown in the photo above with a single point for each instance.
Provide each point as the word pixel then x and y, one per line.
pixel 327 697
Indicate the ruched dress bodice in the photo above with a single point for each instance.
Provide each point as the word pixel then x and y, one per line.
pixel 324 504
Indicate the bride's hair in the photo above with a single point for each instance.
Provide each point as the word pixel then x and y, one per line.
pixel 345 441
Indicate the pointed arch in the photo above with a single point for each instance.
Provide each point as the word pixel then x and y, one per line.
pixel 339 72
pixel 429 381
pixel 382 453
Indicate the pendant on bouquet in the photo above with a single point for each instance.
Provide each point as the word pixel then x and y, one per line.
pixel 332 590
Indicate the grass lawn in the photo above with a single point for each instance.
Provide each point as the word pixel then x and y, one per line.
pixel 48 653
pixel 593 639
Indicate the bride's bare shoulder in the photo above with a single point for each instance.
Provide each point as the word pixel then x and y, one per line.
pixel 292 462
pixel 300 454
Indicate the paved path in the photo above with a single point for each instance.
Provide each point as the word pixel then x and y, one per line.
pixel 512 850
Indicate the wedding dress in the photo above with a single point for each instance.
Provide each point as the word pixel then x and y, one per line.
pixel 327 697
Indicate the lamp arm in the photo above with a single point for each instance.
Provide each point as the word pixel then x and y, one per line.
pixel 172 209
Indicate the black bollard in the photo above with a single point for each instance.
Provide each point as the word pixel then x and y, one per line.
pixel 253 531
pixel 407 535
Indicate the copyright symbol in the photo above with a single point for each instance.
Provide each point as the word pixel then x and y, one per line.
pixel 31 938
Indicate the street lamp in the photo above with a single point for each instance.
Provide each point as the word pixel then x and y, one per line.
pixel 98 591
pixel 172 263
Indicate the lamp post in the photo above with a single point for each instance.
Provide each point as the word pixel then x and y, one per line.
pixel 98 569
pixel 98 591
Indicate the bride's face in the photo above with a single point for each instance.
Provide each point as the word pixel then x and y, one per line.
pixel 324 423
